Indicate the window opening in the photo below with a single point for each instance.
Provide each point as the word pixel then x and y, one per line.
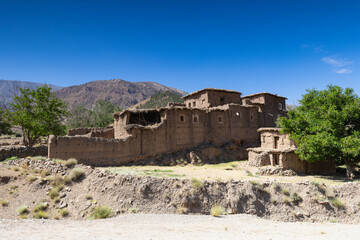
pixel 182 119
pixel 276 159
pixel 276 142
pixel 195 118
pixel 220 119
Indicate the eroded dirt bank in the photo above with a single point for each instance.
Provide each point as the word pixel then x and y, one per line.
pixel 303 201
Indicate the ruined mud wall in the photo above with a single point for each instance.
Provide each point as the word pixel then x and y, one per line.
pixel 107 132
pixel 23 152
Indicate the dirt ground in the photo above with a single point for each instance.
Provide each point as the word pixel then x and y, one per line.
pixel 156 226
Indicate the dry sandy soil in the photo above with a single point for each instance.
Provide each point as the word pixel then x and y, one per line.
pixel 155 226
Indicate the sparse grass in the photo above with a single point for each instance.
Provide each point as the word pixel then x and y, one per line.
pixel 56 199
pixel 76 174
pixel 196 183
pixel 286 200
pixel 54 193
pixel 56 181
pixel 38 158
pixel 40 207
pixel 4 202
pixel 295 198
pixel 64 212
pixel 315 183
pixel 16 168
pixel 256 184
pixel 22 210
pixel 219 180
pixel 101 212
pixel 36 170
pixel 88 197
pixel 277 187
pixel 336 202
pixel 217 210
pixel 10 158
pixel 71 162
pixel 41 215
pixel 182 210
pixel 233 165
pixel 285 191
pixel 13 187
pixel 44 173
pixel 133 210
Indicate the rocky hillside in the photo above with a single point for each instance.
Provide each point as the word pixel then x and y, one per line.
pixel 8 87
pixel 120 92
pixel 160 99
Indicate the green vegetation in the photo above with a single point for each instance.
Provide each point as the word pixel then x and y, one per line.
pixel 71 162
pixel 217 210
pixel 44 173
pixel 5 126
pixel 325 126
pixel 336 202
pixel 41 215
pixel 101 212
pixel 133 210
pixel 285 191
pixel 76 174
pixel 4 202
pixel 161 99
pixel 40 207
pixel 100 115
pixel 295 198
pixel 22 210
pixel 196 183
pixel 10 158
pixel 38 112
pixel 64 212
pixel 54 193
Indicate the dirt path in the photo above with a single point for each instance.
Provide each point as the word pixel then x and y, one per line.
pixel 156 226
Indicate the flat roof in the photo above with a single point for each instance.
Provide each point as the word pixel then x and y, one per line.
pixel 211 89
pixel 263 93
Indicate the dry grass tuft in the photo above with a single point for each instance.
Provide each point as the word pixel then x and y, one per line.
pixel 217 210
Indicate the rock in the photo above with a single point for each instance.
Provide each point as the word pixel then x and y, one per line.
pixel 67 189
pixel 299 215
pixel 63 205
pixel 62 195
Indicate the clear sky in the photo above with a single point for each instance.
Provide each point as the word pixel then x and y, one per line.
pixel 282 47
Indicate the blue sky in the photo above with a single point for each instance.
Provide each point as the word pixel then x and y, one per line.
pixel 282 47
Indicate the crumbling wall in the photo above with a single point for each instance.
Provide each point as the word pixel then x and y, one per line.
pixel 107 132
pixel 291 161
pixel 21 152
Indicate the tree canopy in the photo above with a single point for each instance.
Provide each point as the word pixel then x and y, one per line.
pixel 326 125
pixel 5 127
pixel 100 115
pixel 38 112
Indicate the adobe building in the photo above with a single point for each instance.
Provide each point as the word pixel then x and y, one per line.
pixel 208 116
pixel 278 150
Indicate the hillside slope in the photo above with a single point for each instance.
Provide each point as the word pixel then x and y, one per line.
pixel 120 92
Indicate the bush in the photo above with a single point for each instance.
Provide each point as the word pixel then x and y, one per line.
pixel 64 212
pixel 295 198
pixel 217 210
pixel 196 183
pixel 76 174
pixel 336 202
pixel 133 210
pixel 23 210
pixel 71 162
pixel 101 212
pixel 40 207
pixel 32 178
pixel 4 202
pixel 41 215
pixel 54 193
pixel 45 172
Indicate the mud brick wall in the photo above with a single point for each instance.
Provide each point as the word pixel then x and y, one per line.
pixel 22 152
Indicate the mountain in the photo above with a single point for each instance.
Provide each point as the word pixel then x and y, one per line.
pixel 8 87
pixel 120 92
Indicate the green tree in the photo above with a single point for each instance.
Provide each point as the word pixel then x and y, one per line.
pixel 79 117
pixel 103 111
pixel 5 127
pixel 326 125
pixel 38 112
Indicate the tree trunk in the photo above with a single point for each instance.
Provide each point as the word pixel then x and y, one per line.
pixel 349 169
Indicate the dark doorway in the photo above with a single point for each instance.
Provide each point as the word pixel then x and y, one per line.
pixel 145 118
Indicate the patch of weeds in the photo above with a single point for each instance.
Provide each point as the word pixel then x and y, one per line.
pixel 41 215
pixel 219 180
pixel 217 210
pixel 70 163
pixel 76 174
pixel 333 220
pixel 10 158
pixel 182 210
pixel 56 181
pixel 322 232
pixel 22 210
pixel 133 210
pixel 249 174
pixel 56 199
pixel 233 165
pixel 196 183
pixel 55 191
pixel 44 173
pixel 36 170
pixel 285 191
pixel 100 212
pixel 64 212
pixel 16 168
pixel 42 158
pixel 277 187
pixel 4 202
pixel 295 198
pixel 14 187
pixel 315 183
pixel 286 200
pixel 40 207
pixel 88 197
pixel 320 198
pixel 181 162
pixel 336 202
pixel 256 184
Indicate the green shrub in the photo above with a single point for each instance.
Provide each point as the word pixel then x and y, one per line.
pixel 4 202
pixel 76 174
pixel 64 212
pixel 133 210
pixel 217 210
pixel 41 215
pixel 71 162
pixel 196 183
pixel 285 192
pixel 54 193
pixel 336 202
pixel 295 198
pixel 32 178
pixel 44 173
pixel 22 210
pixel 101 212
pixel 40 207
